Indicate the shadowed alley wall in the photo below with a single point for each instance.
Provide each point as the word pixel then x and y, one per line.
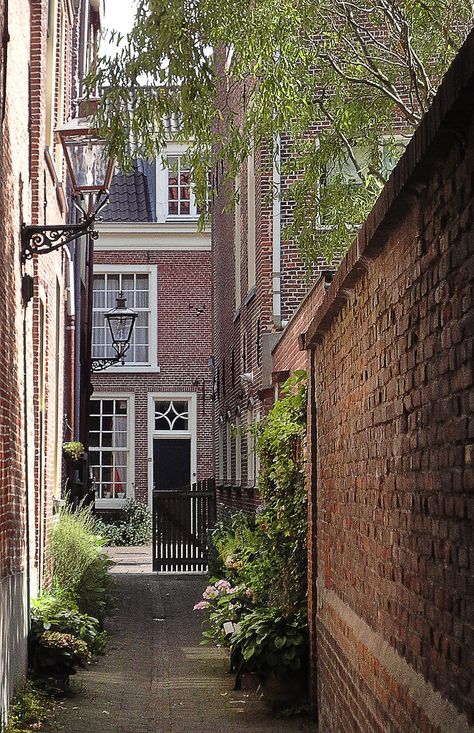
pixel 392 474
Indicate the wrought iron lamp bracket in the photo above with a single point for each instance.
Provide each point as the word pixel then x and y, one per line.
pixel 97 365
pixel 37 239
pixel 42 239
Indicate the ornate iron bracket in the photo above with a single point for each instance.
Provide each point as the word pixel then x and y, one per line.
pixel 37 239
pixel 97 365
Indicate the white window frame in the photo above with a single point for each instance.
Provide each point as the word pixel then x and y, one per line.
pixel 220 452
pixel 238 245
pixel 162 215
pixel 190 433
pixel 151 271
pixel 251 222
pixel 238 450
pixel 228 451
pixel 251 453
pixel 130 490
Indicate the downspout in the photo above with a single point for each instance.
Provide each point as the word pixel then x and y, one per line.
pixel 276 235
pixel 26 467
pixel 77 341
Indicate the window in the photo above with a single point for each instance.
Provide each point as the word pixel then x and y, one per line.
pixel 237 245
pixel 181 201
pixel 250 448
pixel 220 451
pixel 238 451
pixel 138 287
pixel 109 442
pixel 172 415
pixel 228 449
pixel 251 221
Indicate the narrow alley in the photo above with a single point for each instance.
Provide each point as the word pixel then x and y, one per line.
pixel 156 677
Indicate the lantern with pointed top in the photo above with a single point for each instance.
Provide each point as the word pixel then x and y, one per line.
pixel 90 173
pixel 121 321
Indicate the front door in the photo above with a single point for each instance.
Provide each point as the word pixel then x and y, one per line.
pixel 171 463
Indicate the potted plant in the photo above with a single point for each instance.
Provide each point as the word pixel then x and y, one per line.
pixel 275 647
pixel 74 449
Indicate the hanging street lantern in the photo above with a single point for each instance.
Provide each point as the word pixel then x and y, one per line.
pixel 121 321
pixel 90 172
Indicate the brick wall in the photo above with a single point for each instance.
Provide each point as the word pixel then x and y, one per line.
pixel 13 199
pixel 289 353
pixel 392 474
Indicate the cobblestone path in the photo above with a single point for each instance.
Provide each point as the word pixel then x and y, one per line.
pixel 155 677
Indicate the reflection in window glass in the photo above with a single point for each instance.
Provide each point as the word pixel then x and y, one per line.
pixel 171 415
pixel 109 431
pixel 136 289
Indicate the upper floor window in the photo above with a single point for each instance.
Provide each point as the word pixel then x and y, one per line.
pixel 137 287
pixel 181 201
pixel 251 222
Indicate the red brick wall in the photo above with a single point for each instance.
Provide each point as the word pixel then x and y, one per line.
pixel 393 368
pixel 47 203
pixel 184 346
pixel 289 354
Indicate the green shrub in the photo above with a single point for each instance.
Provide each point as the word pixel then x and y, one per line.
pixel 79 563
pixel 28 709
pixel 56 654
pixel 224 603
pixel 266 641
pixel 134 527
pixel 53 613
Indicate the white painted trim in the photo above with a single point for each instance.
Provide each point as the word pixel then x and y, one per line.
pixel 152 271
pixel 162 216
pixel 181 235
pixel 228 451
pixel 191 397
pixel 131 430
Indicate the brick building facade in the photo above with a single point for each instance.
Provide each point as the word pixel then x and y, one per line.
pixel 158 403
pixel 390 351
pixel 258 281
pixel 37 80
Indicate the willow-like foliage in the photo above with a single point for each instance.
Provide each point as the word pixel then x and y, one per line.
pixel 360 72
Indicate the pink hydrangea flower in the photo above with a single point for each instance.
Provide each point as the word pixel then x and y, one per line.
pixel 201 606
pixel 210 593
pixel 222 584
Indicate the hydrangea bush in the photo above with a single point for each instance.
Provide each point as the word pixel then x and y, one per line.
pixel 258 608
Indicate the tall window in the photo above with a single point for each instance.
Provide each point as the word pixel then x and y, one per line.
pixel 237 245
pixel 228 451
pixel 136 288
pixel 250 448
pixel 220 452
pixel 109 442
pixel 251 221
pixel 238 450
pixel 181 200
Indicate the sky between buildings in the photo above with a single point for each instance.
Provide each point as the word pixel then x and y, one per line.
pixel 119 15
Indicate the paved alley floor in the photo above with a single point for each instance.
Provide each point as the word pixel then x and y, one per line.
pixel 155 677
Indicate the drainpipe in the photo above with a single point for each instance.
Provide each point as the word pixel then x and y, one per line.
pixel 276 235
pixel 77 340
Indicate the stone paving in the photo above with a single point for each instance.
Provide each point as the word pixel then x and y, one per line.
pixel 155 677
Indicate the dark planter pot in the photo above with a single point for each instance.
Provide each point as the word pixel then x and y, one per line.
pixel 286 691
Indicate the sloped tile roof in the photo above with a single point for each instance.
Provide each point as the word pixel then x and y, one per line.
pixel 129 197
